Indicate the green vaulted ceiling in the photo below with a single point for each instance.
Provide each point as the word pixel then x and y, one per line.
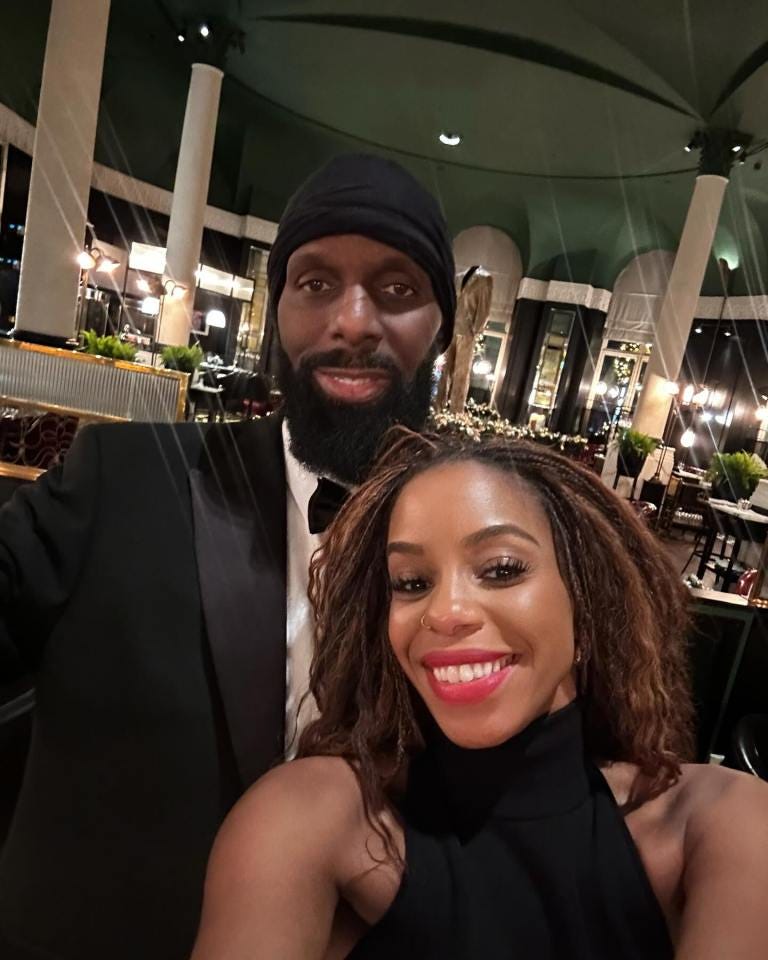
pixel 574 115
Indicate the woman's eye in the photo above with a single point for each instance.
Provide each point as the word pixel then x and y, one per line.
pixel 408 585
pixel 504 570
pixel 400 289
pixel 315 285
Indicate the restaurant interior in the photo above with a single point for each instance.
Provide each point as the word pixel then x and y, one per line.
pixel 578 163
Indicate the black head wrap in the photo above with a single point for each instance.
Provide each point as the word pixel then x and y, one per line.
pixel 365 194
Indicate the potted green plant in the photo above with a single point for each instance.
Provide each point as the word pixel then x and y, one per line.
pixel 107 346
pixel 184 359
pixel 633 449
pixel 734 476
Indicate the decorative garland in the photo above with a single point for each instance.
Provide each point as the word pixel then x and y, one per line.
pixel 479 420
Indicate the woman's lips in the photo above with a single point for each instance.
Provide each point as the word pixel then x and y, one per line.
pixel 467 676
pixel 351 385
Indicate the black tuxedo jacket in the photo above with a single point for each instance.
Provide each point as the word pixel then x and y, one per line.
pixel 144 586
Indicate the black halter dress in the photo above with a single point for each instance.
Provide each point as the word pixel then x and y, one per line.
pixel 518 852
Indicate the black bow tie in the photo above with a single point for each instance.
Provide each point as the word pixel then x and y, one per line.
pixel 324 504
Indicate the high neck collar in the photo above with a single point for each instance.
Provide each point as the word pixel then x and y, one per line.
pixel 540 772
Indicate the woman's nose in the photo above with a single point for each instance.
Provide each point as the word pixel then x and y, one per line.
pixel 451 611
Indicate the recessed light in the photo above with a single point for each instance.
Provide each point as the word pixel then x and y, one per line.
pixel 205 30
pixel 736 148
pixel 698 330
pixel 726 333
pixel 687 148
pixel 180 37
pixel 450 139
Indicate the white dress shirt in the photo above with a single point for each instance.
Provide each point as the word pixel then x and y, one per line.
pixel 301 484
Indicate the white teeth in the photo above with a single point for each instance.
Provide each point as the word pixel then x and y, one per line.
pixel 467 672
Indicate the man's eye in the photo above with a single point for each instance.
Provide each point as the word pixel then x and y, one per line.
pixel 408 585
pixel 315 285
pixel 400 289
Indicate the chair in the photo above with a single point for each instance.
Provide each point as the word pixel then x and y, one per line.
pixel 749 746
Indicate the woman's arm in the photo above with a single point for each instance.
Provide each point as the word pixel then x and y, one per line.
pixel 273 875
pixel 295 838
pixel 725 877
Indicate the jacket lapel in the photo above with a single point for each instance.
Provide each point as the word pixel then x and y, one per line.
pixel 239 510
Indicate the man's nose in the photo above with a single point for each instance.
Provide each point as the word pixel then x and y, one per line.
pixel 356 319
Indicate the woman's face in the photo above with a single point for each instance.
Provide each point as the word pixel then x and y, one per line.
pixel 480 619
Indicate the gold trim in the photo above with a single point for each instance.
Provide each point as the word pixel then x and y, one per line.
pixel 19 472
pixel 35 405
pixel 182 378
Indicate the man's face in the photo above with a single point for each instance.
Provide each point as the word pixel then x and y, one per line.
pixel 357 322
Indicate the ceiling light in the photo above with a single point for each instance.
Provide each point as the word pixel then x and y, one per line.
pixel 215 318
pixel 481 368
pixel 601 388
pixel 687 148
pixel 698 330
pixel 205 30
pixel 762 413
pixel 85 260
pixel 107 265
pixel 180 37
pixel 142 284
pixel 736 148
pixel 450 139
pixel 688 438
pixel 726 333
pixel 671 388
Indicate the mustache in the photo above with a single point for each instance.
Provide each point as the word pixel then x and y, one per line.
pixel 343 359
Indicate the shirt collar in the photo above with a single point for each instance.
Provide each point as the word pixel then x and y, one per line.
pixel 302 483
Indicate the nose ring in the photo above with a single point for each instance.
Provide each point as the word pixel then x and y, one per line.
pixel 426 626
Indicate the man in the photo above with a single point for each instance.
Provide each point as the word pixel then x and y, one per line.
pixel 156 585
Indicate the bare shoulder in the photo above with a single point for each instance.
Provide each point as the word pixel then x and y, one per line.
pixel 316 795
pixel 713 796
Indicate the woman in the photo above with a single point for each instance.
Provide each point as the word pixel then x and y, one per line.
pixel 498 767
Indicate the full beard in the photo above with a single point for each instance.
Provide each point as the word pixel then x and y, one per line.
pixel 340 439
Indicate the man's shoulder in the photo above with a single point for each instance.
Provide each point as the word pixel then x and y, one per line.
pixel 178 443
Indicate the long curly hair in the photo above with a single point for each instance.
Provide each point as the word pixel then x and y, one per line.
pixel 630 619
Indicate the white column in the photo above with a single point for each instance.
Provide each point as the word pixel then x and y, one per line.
pixel 62 165
pixel 190 195
pixel 678 307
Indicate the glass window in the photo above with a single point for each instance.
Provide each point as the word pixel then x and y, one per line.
pixel 550 366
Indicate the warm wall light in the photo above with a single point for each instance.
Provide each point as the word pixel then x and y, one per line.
pixel 688 393
pixel 688 438
pixel 85 260
pixel 174 290
pixel 107 265
pixel 671 388
pixel 150 306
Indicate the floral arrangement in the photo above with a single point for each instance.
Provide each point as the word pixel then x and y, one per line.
pixel 479 420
